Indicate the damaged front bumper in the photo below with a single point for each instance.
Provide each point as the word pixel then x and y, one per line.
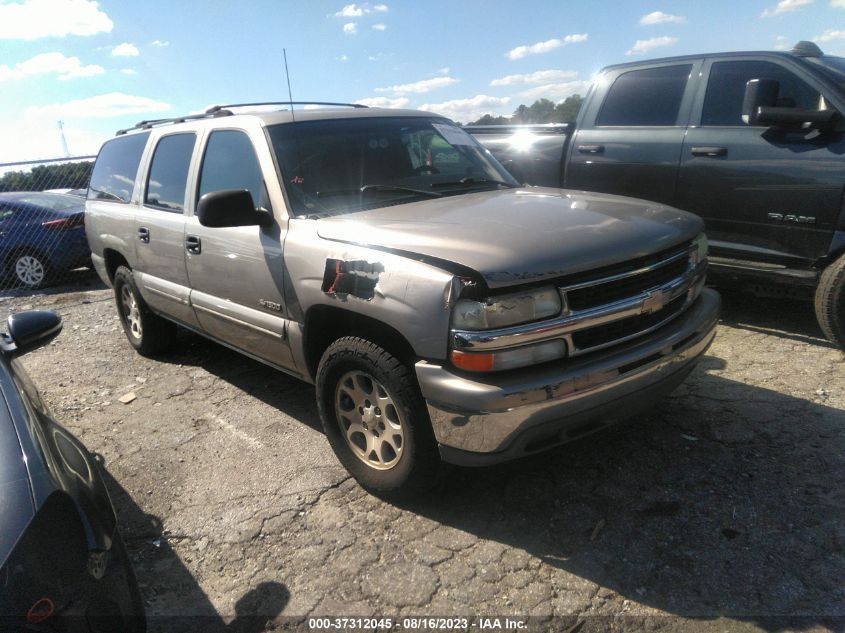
pixel 479 420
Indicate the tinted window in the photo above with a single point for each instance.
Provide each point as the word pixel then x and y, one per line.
pixel 53 201
pixel 116 167
pixel 646 97
pixel 169 172
pixel 230 163
pixel 726 89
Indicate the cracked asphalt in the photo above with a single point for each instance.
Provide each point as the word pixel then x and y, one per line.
pixel 725 504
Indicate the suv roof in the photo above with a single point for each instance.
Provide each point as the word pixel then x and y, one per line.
pixel 272 117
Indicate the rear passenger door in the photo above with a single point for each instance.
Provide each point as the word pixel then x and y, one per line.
pixel 160 271
pixel 629 138
pixel 237 273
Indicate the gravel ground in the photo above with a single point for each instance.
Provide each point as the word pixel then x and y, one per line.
pixel 723 508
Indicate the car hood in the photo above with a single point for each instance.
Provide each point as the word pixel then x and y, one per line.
pixel 519 235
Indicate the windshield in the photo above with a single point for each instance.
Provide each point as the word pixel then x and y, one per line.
pixel 341 165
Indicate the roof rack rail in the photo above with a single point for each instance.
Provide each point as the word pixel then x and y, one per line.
pixel 217 108
pixel 223 110
pixel 150 123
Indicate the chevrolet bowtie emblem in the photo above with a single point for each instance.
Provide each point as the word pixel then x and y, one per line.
pixel 654 301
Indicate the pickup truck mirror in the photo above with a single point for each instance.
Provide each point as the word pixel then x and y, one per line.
pixel 29 330
pixel 792 117
pixel 760 107
pixel 231 207
pixel 759 93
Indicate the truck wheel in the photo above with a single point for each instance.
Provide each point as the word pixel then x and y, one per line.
pixel 375 419
pixel 830 302
pixel 147 332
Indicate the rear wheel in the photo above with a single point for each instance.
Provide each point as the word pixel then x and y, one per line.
pixel 830 302
pixel 147 332
pixel 375 419
pixel 30 269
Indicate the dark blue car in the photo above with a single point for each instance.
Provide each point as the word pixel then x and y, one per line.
pixel 41 236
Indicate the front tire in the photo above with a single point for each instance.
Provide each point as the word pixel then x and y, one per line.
pixel 147 332
pixel 830 302
pixel 375 419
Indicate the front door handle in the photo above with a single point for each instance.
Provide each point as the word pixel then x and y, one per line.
pixel 193 244
pixel 591 149
pixel 144 235
pixel 712 152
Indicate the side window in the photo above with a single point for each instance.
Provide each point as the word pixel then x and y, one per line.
pixel 7 211
pixel 169 172
pixel 230 163
pixel 114 172
pixel 646 97
pixel 726 89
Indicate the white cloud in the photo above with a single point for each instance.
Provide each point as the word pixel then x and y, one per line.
pixel 350 28
pixel 125 50
pixel 445 70
pixel 385 102
pixel 556 91
pixel 342 58
pixel 658 17
pixel 160 43
pixel 643 46
pixel 360 10
pixel 537 77
pixel 781 43
pixel 49 63
pixel 128 71
pixel 468 109
pixel 544 47
pixel 785 6
pixel 418 87
pixel 33 19
pixel 33 140
pixel 837 4
pixel 380 27
pixel 830 35
pixel 100 107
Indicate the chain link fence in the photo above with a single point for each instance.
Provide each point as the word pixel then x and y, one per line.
pixel 42 225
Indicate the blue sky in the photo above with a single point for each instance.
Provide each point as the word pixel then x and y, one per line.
pixel 100 66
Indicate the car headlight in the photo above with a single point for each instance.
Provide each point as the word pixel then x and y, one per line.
pixel 505 310
pixel 700 249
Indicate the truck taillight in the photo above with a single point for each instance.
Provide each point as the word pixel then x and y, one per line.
pixel 64 224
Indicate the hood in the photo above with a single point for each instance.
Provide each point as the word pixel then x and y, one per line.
pixel 519 235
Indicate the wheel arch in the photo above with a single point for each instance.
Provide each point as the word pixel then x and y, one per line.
pixel 114 259
pixel 325 324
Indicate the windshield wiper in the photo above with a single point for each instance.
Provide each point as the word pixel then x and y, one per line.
pixel 388 188
pixel 469 180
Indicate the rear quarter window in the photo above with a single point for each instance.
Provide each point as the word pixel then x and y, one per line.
pixel 113 178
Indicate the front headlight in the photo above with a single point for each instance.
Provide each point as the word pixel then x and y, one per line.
pixel 700 250
pixel 505 310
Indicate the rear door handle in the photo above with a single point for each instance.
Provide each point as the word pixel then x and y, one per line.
pixel 144 235
pixel 712 152
pixel 193 244
pixel 591 149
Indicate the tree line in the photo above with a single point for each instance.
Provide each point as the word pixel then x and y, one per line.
pixel 541 111
pixel 56 176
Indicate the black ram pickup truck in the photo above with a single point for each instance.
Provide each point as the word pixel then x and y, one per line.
pixel 752 142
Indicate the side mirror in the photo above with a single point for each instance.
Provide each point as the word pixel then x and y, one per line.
pixel 29 330
pixel 230 207
pixel 759 93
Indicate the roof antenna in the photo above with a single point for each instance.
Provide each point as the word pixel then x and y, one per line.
pixel 290 94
